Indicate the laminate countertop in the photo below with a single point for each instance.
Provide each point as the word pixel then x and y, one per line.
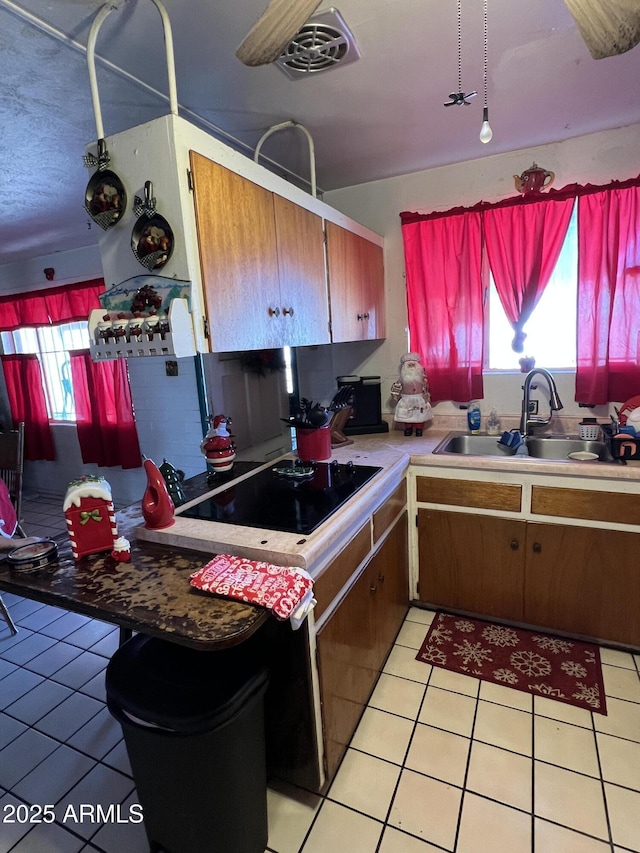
pixel 152 593
pixel 419 451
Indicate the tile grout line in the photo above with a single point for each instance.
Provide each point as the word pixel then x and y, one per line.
pixel 602 787
pixel 466 771
pixel 402 765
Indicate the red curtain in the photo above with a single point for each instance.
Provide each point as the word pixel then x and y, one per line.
pixel 523 244
pixel 104 412
pixel 444 300
pixel 63 304
pixel 26 397
pixel 608 295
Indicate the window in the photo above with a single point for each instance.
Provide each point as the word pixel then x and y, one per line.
pixel 551 329
pixel 52 344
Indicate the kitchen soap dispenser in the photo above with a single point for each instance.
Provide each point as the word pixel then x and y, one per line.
pixel 493 422
pixel 473 419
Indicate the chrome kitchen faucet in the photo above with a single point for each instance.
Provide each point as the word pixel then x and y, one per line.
pixel 555 404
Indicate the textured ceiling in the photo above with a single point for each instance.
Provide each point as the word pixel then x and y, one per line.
pixel 380 116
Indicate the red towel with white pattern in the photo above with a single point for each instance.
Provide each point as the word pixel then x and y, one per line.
pixel 278 588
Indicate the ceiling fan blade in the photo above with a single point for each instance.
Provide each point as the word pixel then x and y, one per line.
pixel 274 30
pixel 608 27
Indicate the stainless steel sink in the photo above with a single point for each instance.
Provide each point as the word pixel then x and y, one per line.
pixel 473 445
pixel 549 448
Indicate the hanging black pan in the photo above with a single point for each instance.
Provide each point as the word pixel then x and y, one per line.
pixel 152 238
pixel 105 198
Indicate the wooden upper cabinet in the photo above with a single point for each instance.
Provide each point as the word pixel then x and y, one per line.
pixel 304 300
pixel 356 286
pixel 373 290
pixel 260 257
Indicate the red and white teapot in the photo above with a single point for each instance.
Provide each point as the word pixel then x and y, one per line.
pixel 534 180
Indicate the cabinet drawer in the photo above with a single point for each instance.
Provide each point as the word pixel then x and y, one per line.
pixel 383 517
pixel 438 490
pixel 584 503
pixel 338 572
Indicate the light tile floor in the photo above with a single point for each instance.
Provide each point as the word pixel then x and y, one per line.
pixel 440 762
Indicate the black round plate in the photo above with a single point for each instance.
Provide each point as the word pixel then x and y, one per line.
pixel 105 198
pixel 152 241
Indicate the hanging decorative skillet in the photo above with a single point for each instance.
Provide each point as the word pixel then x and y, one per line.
pixel 105 196
pixel 152 237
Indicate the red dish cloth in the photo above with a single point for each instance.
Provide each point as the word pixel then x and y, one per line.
pixel 278 588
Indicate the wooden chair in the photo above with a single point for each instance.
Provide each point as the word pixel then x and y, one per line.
pixel 11 468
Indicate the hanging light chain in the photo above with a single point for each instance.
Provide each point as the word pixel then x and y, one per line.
pixel 486 134
pixel 486 53
pixel 459 45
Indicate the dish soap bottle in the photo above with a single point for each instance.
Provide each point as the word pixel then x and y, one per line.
pixel 473 419
pixel 493 422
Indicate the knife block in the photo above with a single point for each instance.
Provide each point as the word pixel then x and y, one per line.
pixel 338 423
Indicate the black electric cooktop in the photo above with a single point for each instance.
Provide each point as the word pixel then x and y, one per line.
pixel 292 497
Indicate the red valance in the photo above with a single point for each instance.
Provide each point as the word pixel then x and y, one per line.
pixel 562 194
pixel 63 304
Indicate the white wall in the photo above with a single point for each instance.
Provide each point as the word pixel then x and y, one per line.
pixel 70 267
pixel 596 158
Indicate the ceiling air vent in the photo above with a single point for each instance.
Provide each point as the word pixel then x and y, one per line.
pixel 324 42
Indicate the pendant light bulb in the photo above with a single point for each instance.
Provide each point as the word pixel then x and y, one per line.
pixel 486 134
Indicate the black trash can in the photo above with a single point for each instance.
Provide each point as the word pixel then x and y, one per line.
pixel 193 724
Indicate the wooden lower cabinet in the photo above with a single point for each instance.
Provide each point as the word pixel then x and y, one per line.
pixel 472 562
pixel 354 643
pixel 579 580
pixel 583 580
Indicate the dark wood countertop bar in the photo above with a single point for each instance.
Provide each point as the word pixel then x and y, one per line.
pixel 151 593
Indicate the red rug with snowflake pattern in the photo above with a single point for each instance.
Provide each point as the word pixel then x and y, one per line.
pixel 540 664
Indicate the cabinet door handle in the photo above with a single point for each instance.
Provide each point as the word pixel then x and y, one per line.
pixel 360 316
pixel 537 547
pixel 380 578
pixel 514 544
pixel 274 312
pixel 373 589
pixel 286 311
pixel 366 316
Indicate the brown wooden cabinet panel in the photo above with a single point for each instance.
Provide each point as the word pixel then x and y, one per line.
pixel 586 503
pixel 238 255
pixel 348 671
pixel 334 577
pixel 373 301
pixel 472 562
pixel 390 568
pixel 583 580
pixel 353 645
pixel 262 263
pixel 356 286
pixel 440 490
pixel 304 299
pixel 383 517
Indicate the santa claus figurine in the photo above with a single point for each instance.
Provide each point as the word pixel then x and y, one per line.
pixel 411 394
